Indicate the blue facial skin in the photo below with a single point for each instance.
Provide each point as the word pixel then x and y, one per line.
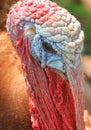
pixel 47 56
pixel 44 56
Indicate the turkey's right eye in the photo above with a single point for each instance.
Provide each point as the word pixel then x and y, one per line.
pixel 48 47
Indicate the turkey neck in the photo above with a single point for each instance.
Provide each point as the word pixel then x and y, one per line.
pixel 51 101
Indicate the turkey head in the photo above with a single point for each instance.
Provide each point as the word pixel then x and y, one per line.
pixel 49 40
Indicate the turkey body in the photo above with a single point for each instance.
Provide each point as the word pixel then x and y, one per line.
pixel 14 111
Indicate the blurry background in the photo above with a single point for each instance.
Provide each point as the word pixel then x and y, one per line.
pixel 79 8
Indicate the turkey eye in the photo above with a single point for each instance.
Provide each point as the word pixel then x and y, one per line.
pixel 48 47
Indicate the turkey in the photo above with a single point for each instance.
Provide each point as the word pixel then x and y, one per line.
pixel 49 41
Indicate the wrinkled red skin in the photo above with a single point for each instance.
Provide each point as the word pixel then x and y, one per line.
pixel 51 101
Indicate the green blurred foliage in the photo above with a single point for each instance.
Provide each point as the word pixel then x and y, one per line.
pixel 83 15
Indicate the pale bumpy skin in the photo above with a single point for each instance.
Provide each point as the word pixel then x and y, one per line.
pixel 47 25
pixel 59 28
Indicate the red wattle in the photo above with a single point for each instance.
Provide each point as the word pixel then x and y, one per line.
pixel 55 108
pixel 51 101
